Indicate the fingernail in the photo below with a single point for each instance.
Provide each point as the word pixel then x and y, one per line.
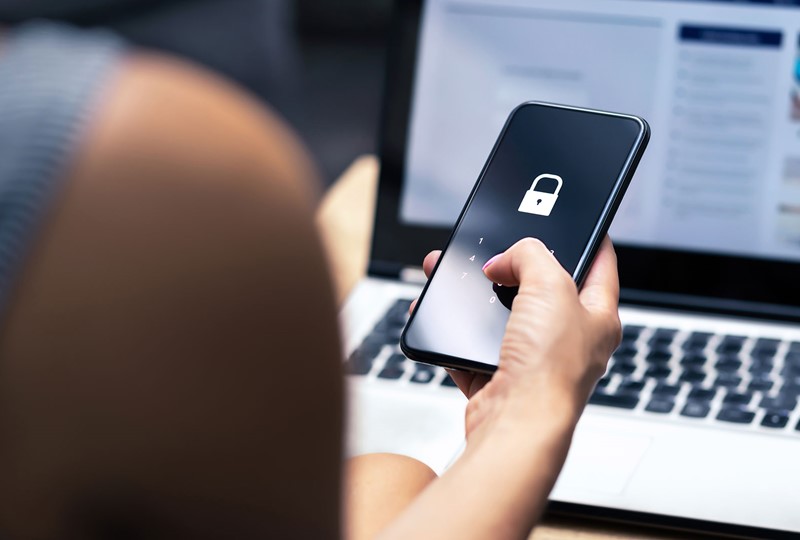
pixel 491 261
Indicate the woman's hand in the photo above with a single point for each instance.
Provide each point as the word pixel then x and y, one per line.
pixel 557 341
pixel 520 421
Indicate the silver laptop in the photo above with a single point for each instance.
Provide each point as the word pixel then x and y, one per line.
pixel 696 424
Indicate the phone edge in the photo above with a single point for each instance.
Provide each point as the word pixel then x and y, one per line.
pixel 609 211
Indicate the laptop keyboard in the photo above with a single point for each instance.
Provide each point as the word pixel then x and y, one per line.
pixel 733 379
pixel 666 372
pixel 379 354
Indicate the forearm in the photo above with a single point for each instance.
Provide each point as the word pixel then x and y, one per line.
pixel 499 487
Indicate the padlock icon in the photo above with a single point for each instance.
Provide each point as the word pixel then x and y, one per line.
pixel 540 202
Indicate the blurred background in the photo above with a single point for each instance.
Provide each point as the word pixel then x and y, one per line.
pixel 320 63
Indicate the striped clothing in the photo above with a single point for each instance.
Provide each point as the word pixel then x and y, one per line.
pixel 50 77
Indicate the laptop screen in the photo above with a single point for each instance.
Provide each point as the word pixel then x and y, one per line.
pixel 717 82
pixel 718 192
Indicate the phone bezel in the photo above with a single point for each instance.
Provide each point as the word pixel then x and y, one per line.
pixel 592 246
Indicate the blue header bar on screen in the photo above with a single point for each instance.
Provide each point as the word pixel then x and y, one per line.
pixel 743 37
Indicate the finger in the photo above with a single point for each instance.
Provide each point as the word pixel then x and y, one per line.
pixel 427 265
pixel 469 383
pixel 463 379
pixel 430 261
pixel 600 292
pixel 527 263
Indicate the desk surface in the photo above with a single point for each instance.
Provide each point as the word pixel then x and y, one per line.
pixel 345 221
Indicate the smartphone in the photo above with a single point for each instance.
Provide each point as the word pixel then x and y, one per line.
pixel 556 173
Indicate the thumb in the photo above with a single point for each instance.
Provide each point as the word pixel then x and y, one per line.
pixel 527 263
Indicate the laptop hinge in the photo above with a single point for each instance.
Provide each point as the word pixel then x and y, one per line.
pixel 714 306
pixel 384 269
pixel 406 274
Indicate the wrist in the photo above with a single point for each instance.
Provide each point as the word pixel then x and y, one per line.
pixel 523 454
pixel 523 418
pixel 546 400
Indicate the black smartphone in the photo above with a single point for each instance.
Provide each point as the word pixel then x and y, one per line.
pixel 556 173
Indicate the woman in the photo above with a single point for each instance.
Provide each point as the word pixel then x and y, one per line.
pixel 169 362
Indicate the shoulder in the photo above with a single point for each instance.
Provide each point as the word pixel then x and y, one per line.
pixel 185 122
pixel 179 150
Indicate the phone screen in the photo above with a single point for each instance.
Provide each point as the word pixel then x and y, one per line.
pixel 552 175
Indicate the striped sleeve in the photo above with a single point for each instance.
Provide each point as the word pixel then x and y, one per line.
pixel 50 76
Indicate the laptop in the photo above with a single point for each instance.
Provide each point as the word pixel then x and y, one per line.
pixel 696 424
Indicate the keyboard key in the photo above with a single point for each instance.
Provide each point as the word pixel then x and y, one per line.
pixel 658 371
pixel 697 341
pixel 736 415
pixel 696 409
pixel 662 337
pixel 761 369
pixel 390 321
pixel 737 398
pixel 378 339
pixel 397 360
pixel 790 372
pixel 387 334
pixel 625 351
pixel 760 384
pixel 702 394
pixel 767 343
pixel 775 419
pixel 394 367
pixel 694 376
pixel 665 333
pixel 794 346
pixel 622 401
pixel 448 381
pixel 791 385
pixel 631 332
pixel 790 389
pixel 731 344
pixel 765 348
pixel 623 368
pixel 360 361
pixel 780 402
pixel 369 349
pixel 358 366
pixel 658 356
pixel 660 405
pixel 604 382
pixel 391 373
pixel 792 359
pixel 403 304
pixel 762 356
pixel 630 386
pixel 728 364
pixel 400 309
pixel 662 389
pixel 728 380
pixel 694 359
pixel 423 374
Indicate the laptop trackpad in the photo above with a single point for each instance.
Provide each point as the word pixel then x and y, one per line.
pixel 602 461
pixel 426 425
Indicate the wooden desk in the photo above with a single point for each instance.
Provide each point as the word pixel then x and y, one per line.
pixel 345 220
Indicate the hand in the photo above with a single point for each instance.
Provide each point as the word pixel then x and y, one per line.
pixel 557 341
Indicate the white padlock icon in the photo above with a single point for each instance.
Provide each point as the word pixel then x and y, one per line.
pixel 540 202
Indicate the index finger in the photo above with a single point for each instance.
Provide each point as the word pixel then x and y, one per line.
pixel 430 261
